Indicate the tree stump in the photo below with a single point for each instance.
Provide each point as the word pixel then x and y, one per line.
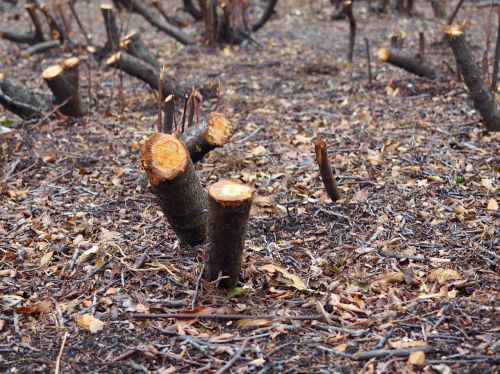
pixel 63 81
pixel 406 60
pixel 133 45
pixel 174 182
pixel 229 206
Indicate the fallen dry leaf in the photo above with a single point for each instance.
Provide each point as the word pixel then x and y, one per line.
pixel 492 205
pixel 416 358
pixel 444 275
pixel 89 322
pixel 294 280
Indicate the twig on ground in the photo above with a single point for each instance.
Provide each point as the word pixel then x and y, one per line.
pixel 59 356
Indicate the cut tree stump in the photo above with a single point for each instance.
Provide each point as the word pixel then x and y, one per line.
pixel 406 60
pixel 145 72
pixel 325 170
pixel 112 32
pixel 63 81
pixel 478 89
pixel 133 45
pixel 19 100
pixel 174 182
pixel 229 206
pixel 215 132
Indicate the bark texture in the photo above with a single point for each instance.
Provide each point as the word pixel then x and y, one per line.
pixel 215 132
pixel 63 81
pixel 478 89
pixel 406 60
pixel 176 186
pixel 229 206
pixel 325 170
pixel 19 100
pixel 109 15
pixel 145 72
pixel 133 45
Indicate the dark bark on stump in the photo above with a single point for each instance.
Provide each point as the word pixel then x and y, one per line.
pixel 141 8
pixel 229 206
pixel 19 100
pixel 215 132
pixel 406 60
pixel 174 182
pixel 38 34
pixel 56 31
pixel 133 45
pixel 169 115
pixel 479 90
pixel 112 32
pixel 347 6
pixel 145 72
pixel 63 81
pixel 325 170
pixel 496 59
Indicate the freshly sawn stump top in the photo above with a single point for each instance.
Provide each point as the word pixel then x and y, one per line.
pixel 228 193
pixel 164 158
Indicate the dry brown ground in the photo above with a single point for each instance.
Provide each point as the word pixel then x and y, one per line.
pixel 416 170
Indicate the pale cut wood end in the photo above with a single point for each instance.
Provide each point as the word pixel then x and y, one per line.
pixel 230 193
pixel 220 129
pixel 51 72
pixel 383 54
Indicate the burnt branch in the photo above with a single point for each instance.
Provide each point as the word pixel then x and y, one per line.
pixel 266 16
pixel 406 60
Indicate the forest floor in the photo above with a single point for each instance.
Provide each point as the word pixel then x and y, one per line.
pixel 408 258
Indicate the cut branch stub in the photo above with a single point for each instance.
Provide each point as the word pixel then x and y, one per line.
pixel 133 45
pixel 144 71
pixel 406 60
pixel 215 132
pixel 63 81
pixel 174 182
pixel 478 89
pixel 229 206
pixel 325 170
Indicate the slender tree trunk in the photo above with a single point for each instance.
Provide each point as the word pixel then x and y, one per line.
pixel 174 182
pixel 229 206
pixel 109 15
pixel 478 89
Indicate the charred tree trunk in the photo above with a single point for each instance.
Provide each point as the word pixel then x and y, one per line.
pixel 145 72
pixel 173 20
pixel 133 45
pixel 439 8
pixel 174 182
pixel 169 115
pixel 38 35
pixel 325 170
pixel 215 132
pixel 141 8
pixel 63 81
pixel 19 100
pixel 41 47
pixel 479 90
pixel 347 5
pixel 406 60
pixel 229 206
pixel 109 15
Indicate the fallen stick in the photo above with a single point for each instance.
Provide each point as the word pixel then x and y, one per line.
pixel 145 72
pixel 378 353
pixel 133 45
pixel 325 170
pixel 484 101
pixel 229 206
pixel 41 47
pixel 141 8
pixel 63 81
pixel 314 317
pixel 406 60
pixel 215 132
pixel 175 183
